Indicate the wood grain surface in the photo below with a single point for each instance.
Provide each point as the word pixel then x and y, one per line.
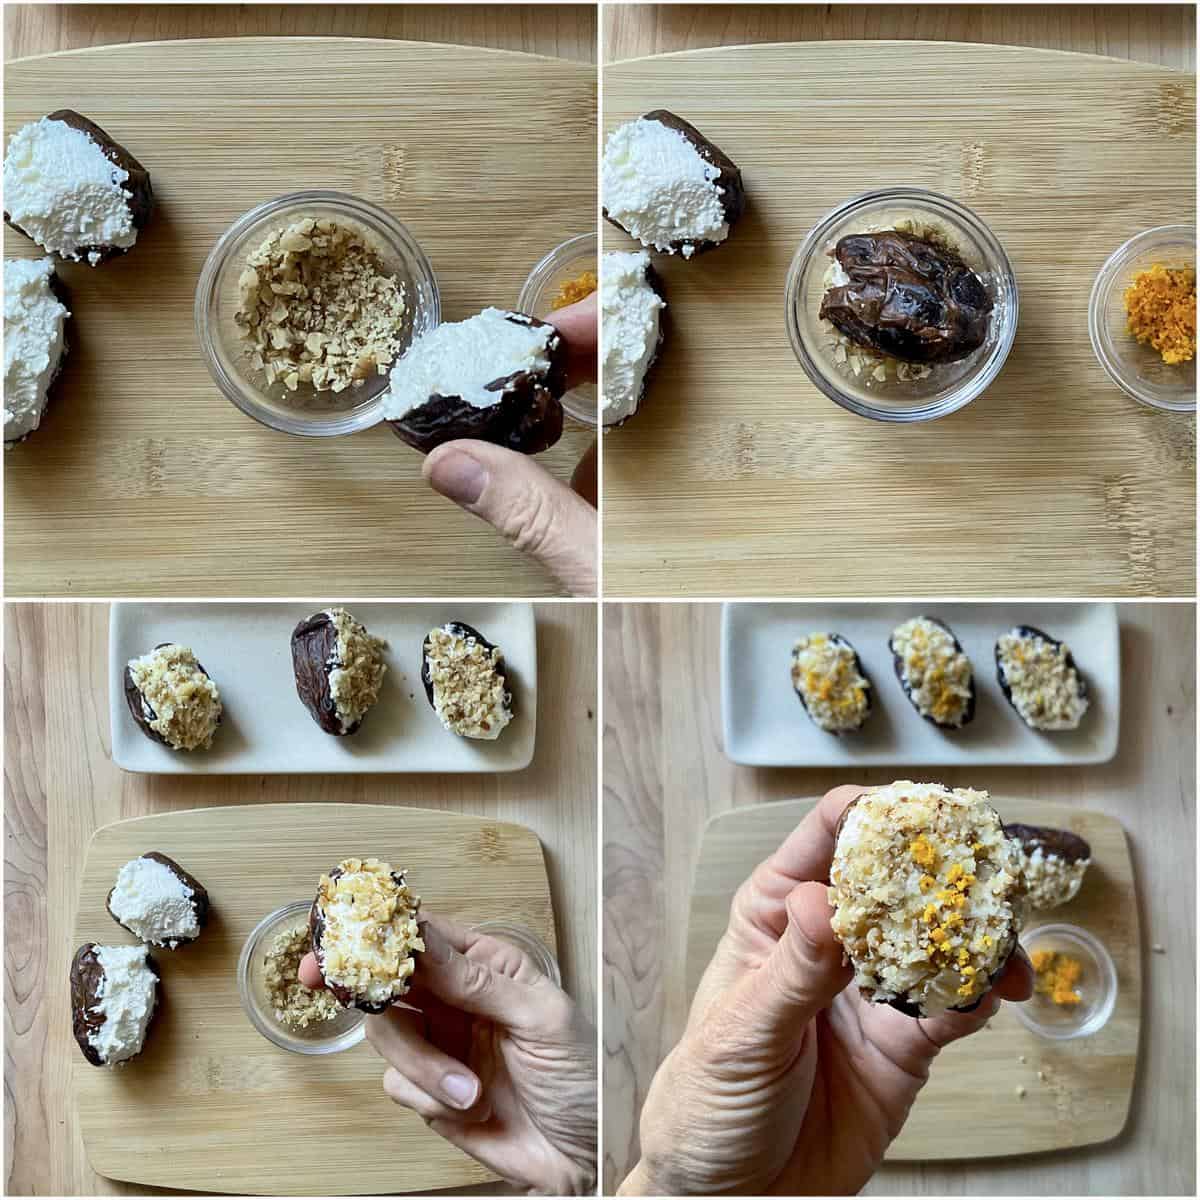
pixel 1041 1095
pixel 154 1123
pixel 1154 33
pixel 665 776
pixel 60 786
pixel 1051 483
pixel 557 30
pixel 144 479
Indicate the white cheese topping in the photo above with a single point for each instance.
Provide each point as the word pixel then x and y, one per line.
pixel 125 998
pixel 463 357
pixel 658 188
pixel 631 311
pixel 937 674
pixel 64 192
pixel 151 901
pixel 826 676
pixel 34 341
pixel 1045 690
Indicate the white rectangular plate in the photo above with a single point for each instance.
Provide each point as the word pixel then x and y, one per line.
pixel 765 725
pixel 246 648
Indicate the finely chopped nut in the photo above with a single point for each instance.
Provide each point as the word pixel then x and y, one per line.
pixel 355 682
pixel 294 1004
pixel 318 307
pixel 185 701
pixel 469 692
pixel 370 929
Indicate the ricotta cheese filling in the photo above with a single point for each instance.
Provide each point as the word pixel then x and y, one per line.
pixel 151 901
pixel 180 702
pixel 34 341
pixel 825 674
pixel 935 672
pixel 125 999
pixel 466 359
pixel 927 893
pixel 660 189
pixel 1046 691
pixel 357 670
pixel 370 932
pixel 1051 880
pixel 62 190
pixel 469 694
pixel 631 311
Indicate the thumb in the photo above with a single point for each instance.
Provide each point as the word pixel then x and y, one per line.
pixel 526 505
pixel 803 972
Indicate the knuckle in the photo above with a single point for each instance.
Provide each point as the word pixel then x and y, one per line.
pixel 530 522
pixel 475 980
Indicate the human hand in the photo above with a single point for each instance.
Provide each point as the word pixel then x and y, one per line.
pixel 521 500
pixel 494 1057
pixel 786 1081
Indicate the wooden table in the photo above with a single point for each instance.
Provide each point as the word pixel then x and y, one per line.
pixel 61 786
pixel 1154 33
pixel 665 775
pixel 159 485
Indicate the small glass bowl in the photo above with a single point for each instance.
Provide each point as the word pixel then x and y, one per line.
pixel 1097 986
pixel 524 939
pixel 1139 370
pixel 565 262
pixel 347 1029
pixel 950 386
pixel 305 411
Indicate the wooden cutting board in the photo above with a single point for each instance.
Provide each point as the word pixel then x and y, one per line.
pixel 210 1104
pixel 145 480
pixel 758 484
pixel 970 1107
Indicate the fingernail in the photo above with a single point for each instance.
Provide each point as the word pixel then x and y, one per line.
pixel 436 948
pixel 458 477
pixel 460 1090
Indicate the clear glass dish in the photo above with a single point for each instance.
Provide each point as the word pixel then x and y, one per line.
pixel 325 1037
pixel 305 411
pixel 1097 985
pixel 565 262
pixel 1139 370
pixel 950 386
pixel 524 939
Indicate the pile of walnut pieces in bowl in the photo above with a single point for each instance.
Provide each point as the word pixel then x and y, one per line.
pixel 318 307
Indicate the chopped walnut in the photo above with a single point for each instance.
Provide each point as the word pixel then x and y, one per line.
pixel 318 307
pixel 358 670
pixel 294 1004
pixel 469 692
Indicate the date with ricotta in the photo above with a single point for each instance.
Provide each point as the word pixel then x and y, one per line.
pixel 497 376
pixel 632 331
pixel 1039 678
pixel 35 342
pixel 172 698
pixel 670 188
pixel 339 669
pixel 158 901
pixel 934 671
pixel 73 190
pixel 363 926
pixel 829 679
pixel 114 996
pixel 465 681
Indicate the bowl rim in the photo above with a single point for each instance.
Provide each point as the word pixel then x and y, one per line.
pixel 1102 286
pixel 204 302
pixel 578 246
pixel 348 1039
pixel 987 370
pixel 1108 970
